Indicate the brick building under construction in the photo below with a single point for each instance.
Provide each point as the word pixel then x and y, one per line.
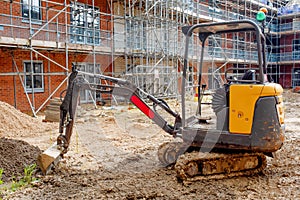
pixel 139 40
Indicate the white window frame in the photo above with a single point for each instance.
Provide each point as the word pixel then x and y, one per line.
pixel 86 25
pixel 295 77
pixel 27 63
pixel 25 3
pixel 296 45
pixel 136 34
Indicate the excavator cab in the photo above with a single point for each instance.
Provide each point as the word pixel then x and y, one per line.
pixel 245 107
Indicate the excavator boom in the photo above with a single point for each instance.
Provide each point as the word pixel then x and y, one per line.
pixel 118 87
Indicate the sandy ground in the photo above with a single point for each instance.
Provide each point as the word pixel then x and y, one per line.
pixel 113 156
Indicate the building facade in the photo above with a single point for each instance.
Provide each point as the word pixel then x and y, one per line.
pixel 137 40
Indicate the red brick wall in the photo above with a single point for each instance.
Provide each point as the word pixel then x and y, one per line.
pixel 5 9
pixel 11 90
pixel 285 78
pixel 12 84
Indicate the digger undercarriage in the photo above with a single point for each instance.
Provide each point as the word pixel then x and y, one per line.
pixel 202 166
pixel 193 165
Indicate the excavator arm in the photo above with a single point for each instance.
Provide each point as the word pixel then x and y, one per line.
pixel 115 86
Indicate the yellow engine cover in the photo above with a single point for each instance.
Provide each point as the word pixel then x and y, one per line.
pixel 242 100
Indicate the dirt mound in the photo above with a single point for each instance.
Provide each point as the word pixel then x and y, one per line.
pixel 15 123
pixel 15 155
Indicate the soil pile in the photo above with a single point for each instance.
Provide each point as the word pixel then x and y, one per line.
pixel 15 123
pixel 15 155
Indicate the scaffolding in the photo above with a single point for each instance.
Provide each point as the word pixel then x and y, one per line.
pixel 153 37
pixel 45 29
pixel 141 40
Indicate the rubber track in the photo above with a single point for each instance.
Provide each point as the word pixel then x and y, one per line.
pixel 185 159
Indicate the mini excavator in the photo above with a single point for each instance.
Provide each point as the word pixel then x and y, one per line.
pixel 248 112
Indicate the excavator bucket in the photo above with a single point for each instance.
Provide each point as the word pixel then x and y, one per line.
pixel 49 158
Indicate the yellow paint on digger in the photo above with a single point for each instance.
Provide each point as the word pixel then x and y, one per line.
pixel 49 157
pixel 242 104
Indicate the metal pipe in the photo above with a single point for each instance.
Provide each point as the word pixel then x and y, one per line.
pixel 53 93
pixel 11 19
pixel 45 73
pixel 46 24
pixel 66 40
pixel 32 81
pixel 15 86
pixel 112 38
pixel 183 81
pixel 31 61
pixel 23 85
pixel 94 53
pixel 49 77
pixel 32 49
pixel 200 78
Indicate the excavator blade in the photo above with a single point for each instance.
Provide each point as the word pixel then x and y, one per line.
pixel 49 158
